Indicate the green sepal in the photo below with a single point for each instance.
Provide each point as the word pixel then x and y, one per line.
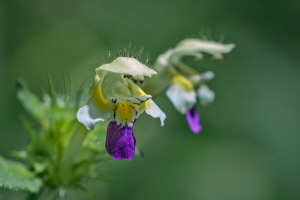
pixel 52 91
pixel 14 175
pixel 139 152
pixel 95 140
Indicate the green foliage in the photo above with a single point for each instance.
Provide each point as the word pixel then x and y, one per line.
pixel 59 153
pixel 30 102
pixel 16 176
pixel 95 141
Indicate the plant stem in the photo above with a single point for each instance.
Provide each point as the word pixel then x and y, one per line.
pixel 71 153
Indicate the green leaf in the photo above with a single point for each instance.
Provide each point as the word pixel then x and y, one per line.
pixel 28 127
pixel 30 102
pixel 20 154
pixel 15 176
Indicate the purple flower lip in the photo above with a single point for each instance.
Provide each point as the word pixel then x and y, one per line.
pixel 120 141
pixel 193 118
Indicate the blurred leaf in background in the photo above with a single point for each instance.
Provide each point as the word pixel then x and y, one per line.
pixel 249 148
pixel 15 175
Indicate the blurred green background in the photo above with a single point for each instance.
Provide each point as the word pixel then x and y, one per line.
pixel 249 148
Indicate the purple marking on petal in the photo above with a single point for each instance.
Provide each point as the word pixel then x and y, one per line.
pixel 120 141
pixel 193 118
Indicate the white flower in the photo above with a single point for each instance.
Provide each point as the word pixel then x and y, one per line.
pixel 115 96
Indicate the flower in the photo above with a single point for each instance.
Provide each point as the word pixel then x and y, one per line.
pixel 183 93
pixel 115 96
pixel 182 83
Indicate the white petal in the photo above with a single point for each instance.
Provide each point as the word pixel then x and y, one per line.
pixel 153 110
pixel 182 99
pixel 90 114
pixel 128 66
pixel 201 78
pixel 205 95
pixel 163 59
pixel 207 76
pixel 210 47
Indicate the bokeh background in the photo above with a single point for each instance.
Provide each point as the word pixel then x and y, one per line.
pixel 249 148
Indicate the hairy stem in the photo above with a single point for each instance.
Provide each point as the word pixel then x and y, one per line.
pixel 71 153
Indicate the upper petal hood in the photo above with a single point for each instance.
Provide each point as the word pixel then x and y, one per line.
pixel 128 66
